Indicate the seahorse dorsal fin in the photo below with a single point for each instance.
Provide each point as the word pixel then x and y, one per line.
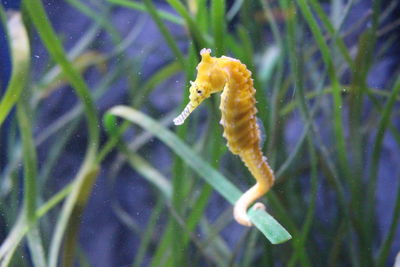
pixel 205 54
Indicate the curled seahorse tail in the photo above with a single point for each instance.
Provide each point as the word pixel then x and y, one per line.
pixel 243 203
pixel 261 171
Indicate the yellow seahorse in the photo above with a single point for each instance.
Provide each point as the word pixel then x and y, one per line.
pixel 238 119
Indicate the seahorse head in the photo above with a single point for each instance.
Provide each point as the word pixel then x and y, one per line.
pixel 211 78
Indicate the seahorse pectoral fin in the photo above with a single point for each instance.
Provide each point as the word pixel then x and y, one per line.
pixel 184 114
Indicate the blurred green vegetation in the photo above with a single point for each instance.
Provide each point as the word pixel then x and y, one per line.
pixel 298 56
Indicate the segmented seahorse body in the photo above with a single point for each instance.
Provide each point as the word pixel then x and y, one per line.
pixel 238 119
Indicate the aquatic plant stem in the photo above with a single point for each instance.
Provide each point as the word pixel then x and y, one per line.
pixel 20 57
pixel 39 18
pixel 336 91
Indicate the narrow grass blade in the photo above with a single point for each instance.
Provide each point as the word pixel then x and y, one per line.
pixel 39 18
pixel 234 9
pixel 164 31
pixel 30 161
pixel 85 177
pixel 197 35
pixel 20 51
pixel 36 247
pixel 30 182
pixel 53 44
pixel 268 63
pixel 336 91
pixel 20 57
pixel 377 148
pixel 77 201
pixel 163 249
pixel 12 241
pixel 98 19
pixel 160 76
pixel 386 245
pixel 219 27
pixel 262 220
pixel 150 229
pixel 150 173
pixel 21 227
pixel 334 34
pixel 141 7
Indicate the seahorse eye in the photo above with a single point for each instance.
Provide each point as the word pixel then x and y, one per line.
pixel 199 92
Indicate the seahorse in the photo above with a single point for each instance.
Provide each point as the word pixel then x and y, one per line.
pixel 238 110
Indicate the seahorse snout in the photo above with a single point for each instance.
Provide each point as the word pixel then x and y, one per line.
pixel 184 114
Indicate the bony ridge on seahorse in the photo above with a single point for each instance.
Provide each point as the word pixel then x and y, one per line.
pixel 238 120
